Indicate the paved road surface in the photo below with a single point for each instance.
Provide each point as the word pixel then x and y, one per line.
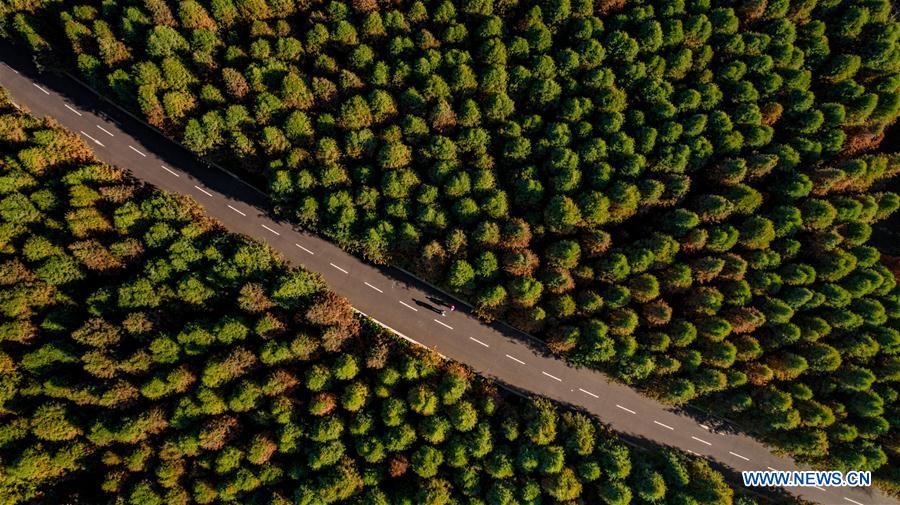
pixel 391 297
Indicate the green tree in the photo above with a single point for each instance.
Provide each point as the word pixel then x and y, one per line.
pixel 562 215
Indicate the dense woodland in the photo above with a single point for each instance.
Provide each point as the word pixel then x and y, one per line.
pixel 151 358
pixel 680 192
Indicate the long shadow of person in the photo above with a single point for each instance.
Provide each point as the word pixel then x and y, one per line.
pixel 420 303
pixel 437 301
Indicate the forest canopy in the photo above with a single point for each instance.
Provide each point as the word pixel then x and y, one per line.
pixel 680 192
pixel 148 357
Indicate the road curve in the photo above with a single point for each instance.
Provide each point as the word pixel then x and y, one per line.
pixel 391 297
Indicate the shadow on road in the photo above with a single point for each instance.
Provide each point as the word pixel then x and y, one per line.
pixel 428 306
pixel 713 423
pixel 438 301
pixel 504 330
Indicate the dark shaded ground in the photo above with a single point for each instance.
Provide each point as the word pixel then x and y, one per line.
pixel 886 234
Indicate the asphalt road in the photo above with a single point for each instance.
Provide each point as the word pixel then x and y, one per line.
pixel 393 298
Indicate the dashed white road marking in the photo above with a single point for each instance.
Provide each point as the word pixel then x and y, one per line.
pixel 270 229
pixel 236 210
pixel 517 360
pixel 40 88
pixel 408 306
pixel 92 138
pixel 135 150
pixel 588 393
pixel 666 426
pixel 701 441
pixel 852 501
pixel 819 488
pixel 692 452
pixel 104 130
pixel 739 456
pixel 478 341
pixel 770 468
pixel 205 192
pixel 552 376
pixel 443 324
pixel 305 249
pixel 626 410
pixel 339 268
pixel 373 287
pixel 167 169
pixel 73 110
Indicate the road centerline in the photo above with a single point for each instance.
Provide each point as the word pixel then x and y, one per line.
pixel 104 130
pixel 137 151
pixel 236 210
pixel 408 306
pixel 739 456
pixel 852 501
pixel 339 268
pixel 701 440
pixel 167 169
pixel 40 88
pixel 205 192
pixel 305 249
pixel 626 409
pixel 478 341
pixel 588 393
pixel 666 426
pixel 517 360
pixel 92 138
pixel 270 229
pixel 373 287
pixel 73 110
pixel 443 324
pixel 551 376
